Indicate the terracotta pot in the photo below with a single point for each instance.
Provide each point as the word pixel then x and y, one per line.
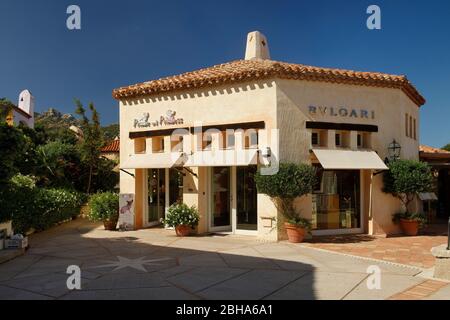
pixel 110 225
pixel 183 230
pixel 295 233
pixel 409 227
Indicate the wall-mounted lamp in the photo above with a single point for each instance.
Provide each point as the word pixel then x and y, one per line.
pixel 394 149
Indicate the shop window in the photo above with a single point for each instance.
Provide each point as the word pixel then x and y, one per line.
pixel 157 144
pixel 176 143
pixel 139 145
pixel 175 186
pixel 336 200
pixel 359 140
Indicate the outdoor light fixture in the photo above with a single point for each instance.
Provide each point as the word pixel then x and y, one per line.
pixel 394 150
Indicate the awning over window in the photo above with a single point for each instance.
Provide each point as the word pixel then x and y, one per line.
pixel 349 159
pixel 220 158
pixel 153 161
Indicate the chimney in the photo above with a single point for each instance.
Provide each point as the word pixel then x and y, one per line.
pixel 257 47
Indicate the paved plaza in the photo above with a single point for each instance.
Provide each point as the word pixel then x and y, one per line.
pixel 154 264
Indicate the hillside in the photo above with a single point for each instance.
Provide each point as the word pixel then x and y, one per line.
pixel 53 120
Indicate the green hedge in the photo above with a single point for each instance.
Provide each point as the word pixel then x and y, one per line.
pixel 31 207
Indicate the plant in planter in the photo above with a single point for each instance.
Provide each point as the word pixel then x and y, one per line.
pixel 291 181
pixel 105 207
pixel 183 218
pixel 410 222
pixel 404 180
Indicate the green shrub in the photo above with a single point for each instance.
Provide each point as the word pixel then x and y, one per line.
pixel 291 181
pixel 406 178
pixel 104 207
pixel 181 214
pixel 21 181
pixel 33 208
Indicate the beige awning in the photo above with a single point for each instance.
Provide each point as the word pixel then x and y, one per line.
pixel 153 161
pixel 220 158
pixel 349 159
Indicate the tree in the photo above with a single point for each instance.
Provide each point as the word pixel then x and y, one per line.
pixel 291 181
pixel 59 164
pixel 5 107
pixel 406 178
pixel 446 147
pixel 12 144
pixel 91 145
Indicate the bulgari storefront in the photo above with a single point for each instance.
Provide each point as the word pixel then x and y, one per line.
pixel 199 138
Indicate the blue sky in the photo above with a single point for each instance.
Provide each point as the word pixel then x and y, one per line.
pixel 125 42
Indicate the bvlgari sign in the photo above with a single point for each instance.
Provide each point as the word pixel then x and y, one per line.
pixel 167 120
pixel 341 112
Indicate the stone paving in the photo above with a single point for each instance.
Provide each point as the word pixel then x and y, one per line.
pixel 155 264
pixel 414 251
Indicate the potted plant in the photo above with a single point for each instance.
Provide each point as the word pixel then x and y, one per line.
pixel 183 218
pixel 291 181
pixel 409 222
pixel 404 180
pixel 104 207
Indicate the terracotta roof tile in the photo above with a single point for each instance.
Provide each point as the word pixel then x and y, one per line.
pixel 248 70
pixel 114 146
pixel 428 149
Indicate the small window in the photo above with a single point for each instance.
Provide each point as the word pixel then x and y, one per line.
pixel 231 139
pixel 406 125
pixel 337 139
pixel 176 143
pixel 207 141
pixel 251 139
pixel 410 127
pixel 139 145
pixel 315 139
pixel 415 130
pixel 158 144
pixel 359 141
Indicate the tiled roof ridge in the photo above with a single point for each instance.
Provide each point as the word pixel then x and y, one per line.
pixel 114 146
pixel 247 70
pixel 429 149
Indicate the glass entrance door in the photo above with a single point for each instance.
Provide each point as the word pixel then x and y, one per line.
pixel 156 196
pixel 220 218
pixel 246 199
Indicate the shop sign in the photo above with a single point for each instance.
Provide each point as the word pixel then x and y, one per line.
pixel 166 120
pixel 342 112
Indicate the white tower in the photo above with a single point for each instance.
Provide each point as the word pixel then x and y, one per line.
pixel 26 104
pixel 257 47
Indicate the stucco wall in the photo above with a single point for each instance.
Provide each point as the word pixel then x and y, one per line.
pixel 221 105
pixel 389 106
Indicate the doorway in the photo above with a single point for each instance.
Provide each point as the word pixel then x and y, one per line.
pixel 164 188
pixel 220 204
pixel 233 200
